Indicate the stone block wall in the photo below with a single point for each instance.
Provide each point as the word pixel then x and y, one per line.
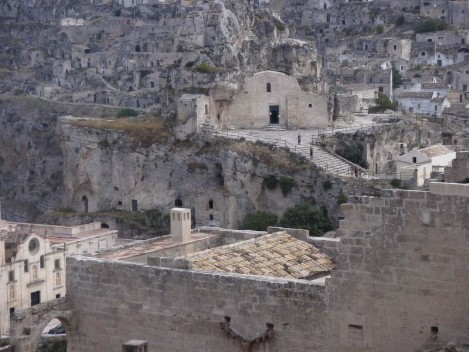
pixel 459 170
pixel 402 277
pixel 181 310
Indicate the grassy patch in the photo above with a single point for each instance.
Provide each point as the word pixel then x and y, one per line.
pixel 144 131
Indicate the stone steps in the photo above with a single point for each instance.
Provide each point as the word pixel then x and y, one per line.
pixel 284 138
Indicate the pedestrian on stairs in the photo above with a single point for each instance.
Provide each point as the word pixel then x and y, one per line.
pixel 311 152
pixel 299 138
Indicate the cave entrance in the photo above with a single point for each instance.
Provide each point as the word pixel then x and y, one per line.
pixel 85 203
pixel 274 114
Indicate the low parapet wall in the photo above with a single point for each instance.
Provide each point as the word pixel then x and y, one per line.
pixel 181 310
pixel 449 189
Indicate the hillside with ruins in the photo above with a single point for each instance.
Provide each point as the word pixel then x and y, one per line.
pixel 234 175
pixel 183 82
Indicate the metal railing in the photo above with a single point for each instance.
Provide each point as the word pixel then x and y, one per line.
pixel 346 169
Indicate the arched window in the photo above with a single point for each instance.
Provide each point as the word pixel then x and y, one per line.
pixel 269 88
pixel 325 6
pixel 178 203
pixel 41 262
pixel 210 204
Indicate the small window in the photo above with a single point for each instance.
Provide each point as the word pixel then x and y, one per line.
pixel 12 310
pixel 395 47
pixel 152 84
pixel 11 276
pixel 178 203
pixel 210 204
pixel 211 217
pixel 423 53
pixel 429 40
pixel 57 295
pixel 269 88
pixel 26 266
pixel 436 107
pixel 206 109
pixel 57 264
pixel 434 330
pixel 310 105
pixel 414 159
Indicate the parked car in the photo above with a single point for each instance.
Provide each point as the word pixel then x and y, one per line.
pixel 59 329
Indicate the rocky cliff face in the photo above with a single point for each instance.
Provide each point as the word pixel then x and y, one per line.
pixel 146 56
pixel 220 180
pixel 31 163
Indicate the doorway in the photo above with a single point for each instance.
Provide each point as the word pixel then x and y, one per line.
pixel 35 298
pixel 274 114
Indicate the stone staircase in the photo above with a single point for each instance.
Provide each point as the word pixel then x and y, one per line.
pixel 330 162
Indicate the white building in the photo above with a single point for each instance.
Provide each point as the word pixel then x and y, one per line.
pixel 32 267
pixel 423 103
pixel 419 163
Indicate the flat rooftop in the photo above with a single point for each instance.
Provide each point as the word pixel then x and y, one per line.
pixel 151 246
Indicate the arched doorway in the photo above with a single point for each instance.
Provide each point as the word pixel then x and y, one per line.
pixel 53 337
pixel 31 328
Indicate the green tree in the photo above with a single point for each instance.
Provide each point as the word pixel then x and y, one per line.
pixel 383 103
pixel 305 216
pixel 396 78
pixel 379 29
pixel 400 20
pixel 260 221
pixel 430 25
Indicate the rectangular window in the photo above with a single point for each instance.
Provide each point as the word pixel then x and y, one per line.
pixel 57 264
pixel 414 159
pixel 436 107
pixel 35 298
pixel 26 266
pixel 12 310
pixel 11 276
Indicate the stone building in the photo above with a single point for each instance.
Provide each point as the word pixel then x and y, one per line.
pixel 33 256
pixel 423 103
pixel 394 280
pixel 418 164
pixel 271 98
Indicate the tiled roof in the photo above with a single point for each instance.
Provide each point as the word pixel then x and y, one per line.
pixel 416 95
pixel 435 150
pixel 278 254
pixel 432 85
pixel 457 109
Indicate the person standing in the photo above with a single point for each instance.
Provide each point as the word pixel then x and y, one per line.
pixel 311 152
pixel 299 138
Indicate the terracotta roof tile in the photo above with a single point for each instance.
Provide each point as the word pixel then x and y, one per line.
pixel 277 254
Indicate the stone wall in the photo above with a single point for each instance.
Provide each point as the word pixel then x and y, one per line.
pixel 401 281
pixel 178 310
pixel 459 170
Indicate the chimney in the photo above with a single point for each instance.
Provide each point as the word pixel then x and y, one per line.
pixel 180 225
